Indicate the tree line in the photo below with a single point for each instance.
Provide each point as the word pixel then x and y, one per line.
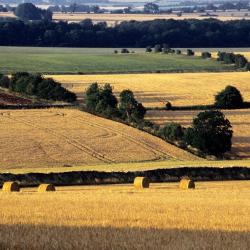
pixel 36 85
pixel 210 132
pixel 175 33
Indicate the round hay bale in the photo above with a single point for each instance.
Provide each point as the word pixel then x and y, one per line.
pixel 11 186
pixel 186 183
pixel 46 188
pixel 141 182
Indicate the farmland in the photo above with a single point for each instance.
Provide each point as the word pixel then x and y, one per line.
pixel 73 61
pixel 238 118
pixel 64 137
pixel 213 216
pixel 153 90
pixel 113 19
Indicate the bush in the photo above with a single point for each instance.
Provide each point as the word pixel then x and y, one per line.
pixel 190 52
pixel 157 48
pixel 205 55
pixel 172 132
pixel 178 52
pixel 210 132
pixel 115 51
pixel 149 49
pixel 229 98
pixel 124 51
pixel 168 106
pixel 4 81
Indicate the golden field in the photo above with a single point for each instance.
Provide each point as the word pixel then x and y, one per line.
pixel 240 121
pixel 213 216
pixel 153 90
pixel 58 137
pixel 113 19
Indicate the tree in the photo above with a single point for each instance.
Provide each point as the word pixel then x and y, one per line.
pixel 151 8
pixel 229 98
pixel 28 11
pixel 129 107
pixel 92 96
pixel 206 55
pixel 157 48
pixel 190 52
pixel 210 132
pixel 172 131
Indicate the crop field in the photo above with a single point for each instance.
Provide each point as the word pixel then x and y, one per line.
pixel 113 19
pixel 213 216
pixel 65 137
pixel 153 90
pixel 240 120
pixel 73 61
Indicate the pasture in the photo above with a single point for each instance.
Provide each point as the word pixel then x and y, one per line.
pixel 239 120
pixel 215 215
pixel 66 137
pixel 88 61
pixel 153 90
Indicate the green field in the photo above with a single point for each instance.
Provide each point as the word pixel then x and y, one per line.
pixel 86 60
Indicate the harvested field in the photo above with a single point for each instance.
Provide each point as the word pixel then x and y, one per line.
pixel 238 118
pixel 153 90
pixel 113 19
pixel 213 216
pixel 56 137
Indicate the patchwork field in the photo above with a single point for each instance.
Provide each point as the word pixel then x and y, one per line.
pixel 86 60
pixel 240 120
pixel 213 216
pixel 64 137
pixel 153 90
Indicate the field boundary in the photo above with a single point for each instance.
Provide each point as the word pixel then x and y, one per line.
pixel 100 178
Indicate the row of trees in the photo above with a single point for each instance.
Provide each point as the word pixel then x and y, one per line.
pixel 36 85
pixel 230 58
pixel 175 33
pixel 101 100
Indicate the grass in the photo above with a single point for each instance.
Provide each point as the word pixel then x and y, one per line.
pixel 153 90
pixel 238 118
pixel 68 137
pixel 73 61
pixel 213 216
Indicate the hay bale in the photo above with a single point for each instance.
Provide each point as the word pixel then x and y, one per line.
pixel 46 188
pixel 11 186
pixel 187 183
pixel 141 182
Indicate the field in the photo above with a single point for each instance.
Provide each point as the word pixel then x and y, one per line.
pixel 153 90
pixel 113 19
pixel 213 216
pixel 69 60
pixel 65 137
pixel 238 118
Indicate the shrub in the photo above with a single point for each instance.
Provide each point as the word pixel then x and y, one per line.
pixel 124 51
pixel 157 48
pixel 148 49
pixel 210 132
pixel 190 52
pixel 4 81
pixel 229 98
pixel 168 105
pixel 205 55
pixel 178 52
pixel 172 132
pixel 115 51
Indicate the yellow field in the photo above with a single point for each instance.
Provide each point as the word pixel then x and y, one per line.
pixel 57 137
pixel 240 120
pixel 213 216
pixel 153 90
pixel 113 19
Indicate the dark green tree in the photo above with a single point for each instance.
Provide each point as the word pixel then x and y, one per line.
pixel 229 98
pixel 172 131
pixel 210 132
pixel 129 107
pixel 92 96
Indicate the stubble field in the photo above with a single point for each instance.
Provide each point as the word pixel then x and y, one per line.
pixel 64 137
pixel 213 216
pixel 153 90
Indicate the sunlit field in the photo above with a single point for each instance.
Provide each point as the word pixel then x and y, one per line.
pixel 64 137
pixel 238 118
pixel 213 216
pixel 154 90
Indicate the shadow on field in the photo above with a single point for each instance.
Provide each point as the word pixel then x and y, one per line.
pixel 62 237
